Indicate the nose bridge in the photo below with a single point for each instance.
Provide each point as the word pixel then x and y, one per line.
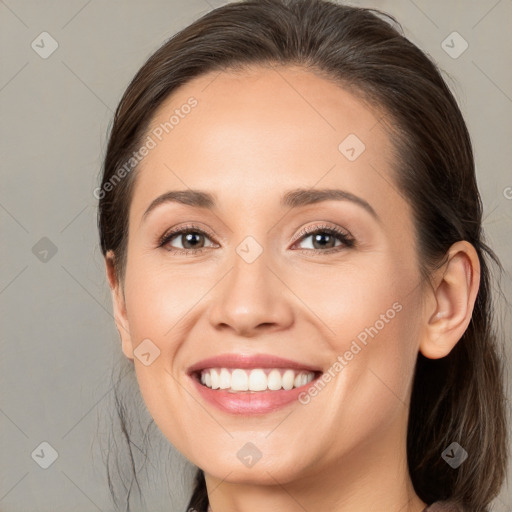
pixel 250 296
pixel 251 267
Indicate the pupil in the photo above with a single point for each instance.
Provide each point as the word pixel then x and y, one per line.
pixel 318 238
pixel 189 237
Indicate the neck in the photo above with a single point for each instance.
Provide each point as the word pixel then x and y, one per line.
pixel 373 476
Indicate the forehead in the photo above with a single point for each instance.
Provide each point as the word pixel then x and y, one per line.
pixel 257 132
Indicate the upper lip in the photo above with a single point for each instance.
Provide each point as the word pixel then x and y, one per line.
pixel 250 361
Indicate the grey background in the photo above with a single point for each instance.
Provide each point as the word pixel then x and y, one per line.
pixel 58 339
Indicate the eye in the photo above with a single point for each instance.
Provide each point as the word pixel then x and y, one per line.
pixel 191 238
pixel 324 238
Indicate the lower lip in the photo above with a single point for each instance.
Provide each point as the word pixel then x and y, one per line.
pixel 246 402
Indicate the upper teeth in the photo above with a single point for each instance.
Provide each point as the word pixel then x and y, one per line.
pixel 254 380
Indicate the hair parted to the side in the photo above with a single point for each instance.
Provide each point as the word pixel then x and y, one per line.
pixel 457 398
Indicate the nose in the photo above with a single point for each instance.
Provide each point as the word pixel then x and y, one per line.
pixel 252 298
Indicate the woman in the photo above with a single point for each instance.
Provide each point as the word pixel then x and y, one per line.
pixel 292 234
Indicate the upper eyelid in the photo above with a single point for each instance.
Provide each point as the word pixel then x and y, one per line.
pixel 178 231
pixel 310 230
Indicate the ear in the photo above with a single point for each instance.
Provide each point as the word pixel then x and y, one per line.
pixel 451 303
pixel 119 305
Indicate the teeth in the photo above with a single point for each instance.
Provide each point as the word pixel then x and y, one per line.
pixel 257 380
pixel 239 380
pixel 288 377
pixel 214 379
pixel 254 380
pixel 274 381
pixel 225 379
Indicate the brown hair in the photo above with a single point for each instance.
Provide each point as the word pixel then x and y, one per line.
pixel 459 398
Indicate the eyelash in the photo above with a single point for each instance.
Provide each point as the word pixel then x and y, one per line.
pixel 347 240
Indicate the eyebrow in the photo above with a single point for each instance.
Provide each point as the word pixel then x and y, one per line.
pixel 292 199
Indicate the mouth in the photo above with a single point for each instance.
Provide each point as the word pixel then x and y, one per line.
pixel 256 380
pixel 251 384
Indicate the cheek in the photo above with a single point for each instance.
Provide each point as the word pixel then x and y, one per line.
pixel 157 304
pixel 360 301
pixel 158 299
pixel 369 316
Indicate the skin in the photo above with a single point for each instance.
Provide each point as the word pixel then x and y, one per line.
pixel 253 136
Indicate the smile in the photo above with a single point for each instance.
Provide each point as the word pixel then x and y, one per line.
pixel 257 380
pixel 252 383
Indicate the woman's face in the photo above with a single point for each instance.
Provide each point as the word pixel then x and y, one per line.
pixel 245 280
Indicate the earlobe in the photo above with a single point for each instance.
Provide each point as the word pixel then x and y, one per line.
pixel 454 297
pixel 119 306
